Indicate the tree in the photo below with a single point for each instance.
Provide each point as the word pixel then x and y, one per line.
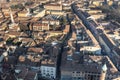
pixel 18 6
pixel 112 13
pixel 63 20
pixel 54 27
pixel 105 8
pixel 29 3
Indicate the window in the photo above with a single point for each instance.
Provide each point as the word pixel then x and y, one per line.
pixel 77 72
pixel 51 74
pixel 43 70
pixel 39 28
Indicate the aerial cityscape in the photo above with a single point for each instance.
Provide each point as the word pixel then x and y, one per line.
pixel 59 39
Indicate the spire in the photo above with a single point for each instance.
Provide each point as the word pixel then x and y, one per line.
pixel 104 68
pixel 103 72
pixel 11 16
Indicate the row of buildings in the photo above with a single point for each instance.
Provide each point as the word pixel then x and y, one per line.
pixel 99 32
pixel 82 58
pixel 30 41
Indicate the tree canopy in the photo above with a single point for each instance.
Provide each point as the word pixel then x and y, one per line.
pixel 112 13
pixel 18 6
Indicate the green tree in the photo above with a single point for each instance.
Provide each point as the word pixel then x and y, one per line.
pixel 63 20
pixel 29 3
pixel 112 13
pixel 18 6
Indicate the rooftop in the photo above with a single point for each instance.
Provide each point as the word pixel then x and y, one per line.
pixel 51 17
pixel 89 63
pixel 25 73
pixel 53 4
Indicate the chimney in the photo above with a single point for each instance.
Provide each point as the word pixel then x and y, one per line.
pixel 103 72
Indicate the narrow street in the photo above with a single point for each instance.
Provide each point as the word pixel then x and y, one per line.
pixel 63 44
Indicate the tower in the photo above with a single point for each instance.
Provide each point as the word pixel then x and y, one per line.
pixel 12 20
pixel 11 16
pixel 13 24
pixel 103 72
